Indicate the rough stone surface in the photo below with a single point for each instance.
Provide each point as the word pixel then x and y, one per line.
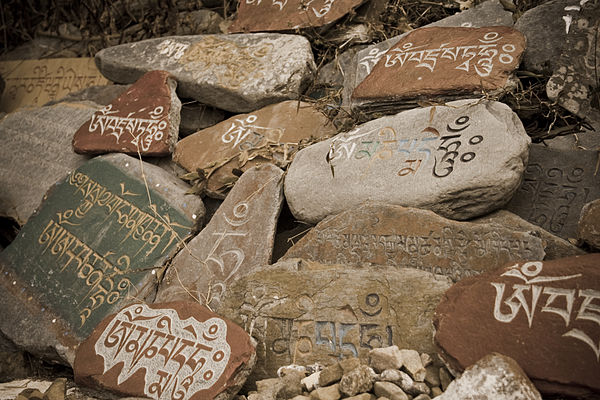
pixel 142 120
pixel 382 234
pixel 443 158
pixel 330 374
pixel 239 236
pixel 237 73
pixel 411 362
pixel 35 153
pixel 257 16
pixel 307 313
pixel 556 185
pixel 93 246
pixel 283 126
pixel 550 306
pixel 212 362
pixel 389 391
pixel 494 377
pixel 405 382
pixel 196 116
pixel 102 95
pixel 327 393
pixel 385 358
pixel 589 224
pixel 359 380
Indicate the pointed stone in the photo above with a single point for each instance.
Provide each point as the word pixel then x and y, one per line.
pixel 238 237
pixel 142 120
pixel 237 73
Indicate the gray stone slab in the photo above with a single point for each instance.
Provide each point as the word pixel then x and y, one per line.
pixel 236 73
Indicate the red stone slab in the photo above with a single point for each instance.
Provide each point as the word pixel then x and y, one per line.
pixel 176 350
pixel 145 118
pixel 545 315
pixel 276 15
pixel 439 61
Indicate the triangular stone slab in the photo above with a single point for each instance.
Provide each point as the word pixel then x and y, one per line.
pixel 159 350
pixel 276 130
pixel 143 120
pixel 380 234
pixel 237 73
pixel 443 158
pixel 542 314
pixel 256 16
pixel 239 236
pixel 95 244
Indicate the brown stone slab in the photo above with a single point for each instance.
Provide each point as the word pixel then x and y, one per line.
pixel 143 120
pixel 545 315
pixel 439 61
pixel 166 351
pixel 276 15
pixel 381 234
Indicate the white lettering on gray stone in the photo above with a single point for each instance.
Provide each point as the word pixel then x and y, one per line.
pixel 172 49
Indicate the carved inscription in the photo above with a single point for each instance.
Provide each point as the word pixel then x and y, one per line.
pixel 179 357
pixel 172 49
pixel 244 134
pixel 318 8
pixel 534 295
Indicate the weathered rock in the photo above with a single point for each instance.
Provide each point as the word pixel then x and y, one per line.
pixel 389 391
pixel 411 362
pixel 405 382
pixel 441 63
pixel 589 224
pixel 549 306
pixel 196 116
pixel 556 185
pixel 238 237
pixel 494 377
pixel 327 393
pixel 384 358
pixel 10 390
pixel 274 131
pixel 254 16
pixel 382 234
pixel 212 362
pixel 102 95
pixel 93 246
pixel 330 374
pixel 442 158
pixel 142 120
pixel 307 313
pixel 359 380
pixel 198 22
pixel 35 153
pixel 236 73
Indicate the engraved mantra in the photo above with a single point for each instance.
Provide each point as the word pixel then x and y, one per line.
pixel 320 13
pixel 581 300
pixel 179 357
pixel 240 131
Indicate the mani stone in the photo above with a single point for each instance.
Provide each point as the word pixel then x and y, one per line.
pixel 143 120
pixel 239 236
pixel 442 158
pixel 35 153
pixel 170 350
pixel 556 185
pixel 441 63
pixel 380 234
pixel 95 245
pixel 542 314
pixel 256 16
pixel 275 132
pixel 304 313
pixel 237 73
pixel 589 224
pixel 196 116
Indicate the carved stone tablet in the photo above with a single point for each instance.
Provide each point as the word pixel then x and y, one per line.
pixel 238 237
pixel 276 130
pixel 443 158
pixel 304 313
pixel 95 245
pixel 238 73
pixel 276 15
pixel 542 314
pixel 409 237
pixel 164 351
pixel 556 185
pixel 443 62
pixel 144 119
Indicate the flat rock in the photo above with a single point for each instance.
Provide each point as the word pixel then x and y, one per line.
pixel 494 377
pixel 441 63
pixel 542 314
pixel 95 244
pixel 443 158
pixel 309 313
pixel 101 94
pixel 196 116
pixel 177 349
pixel 275 131
pixel 142 120
pixel 588 228
pixel 239 236
pixel 380 234
pixel 556 185
pixel 36 152
pixel 237 73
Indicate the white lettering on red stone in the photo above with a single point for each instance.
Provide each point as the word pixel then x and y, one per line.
pixel 179 357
